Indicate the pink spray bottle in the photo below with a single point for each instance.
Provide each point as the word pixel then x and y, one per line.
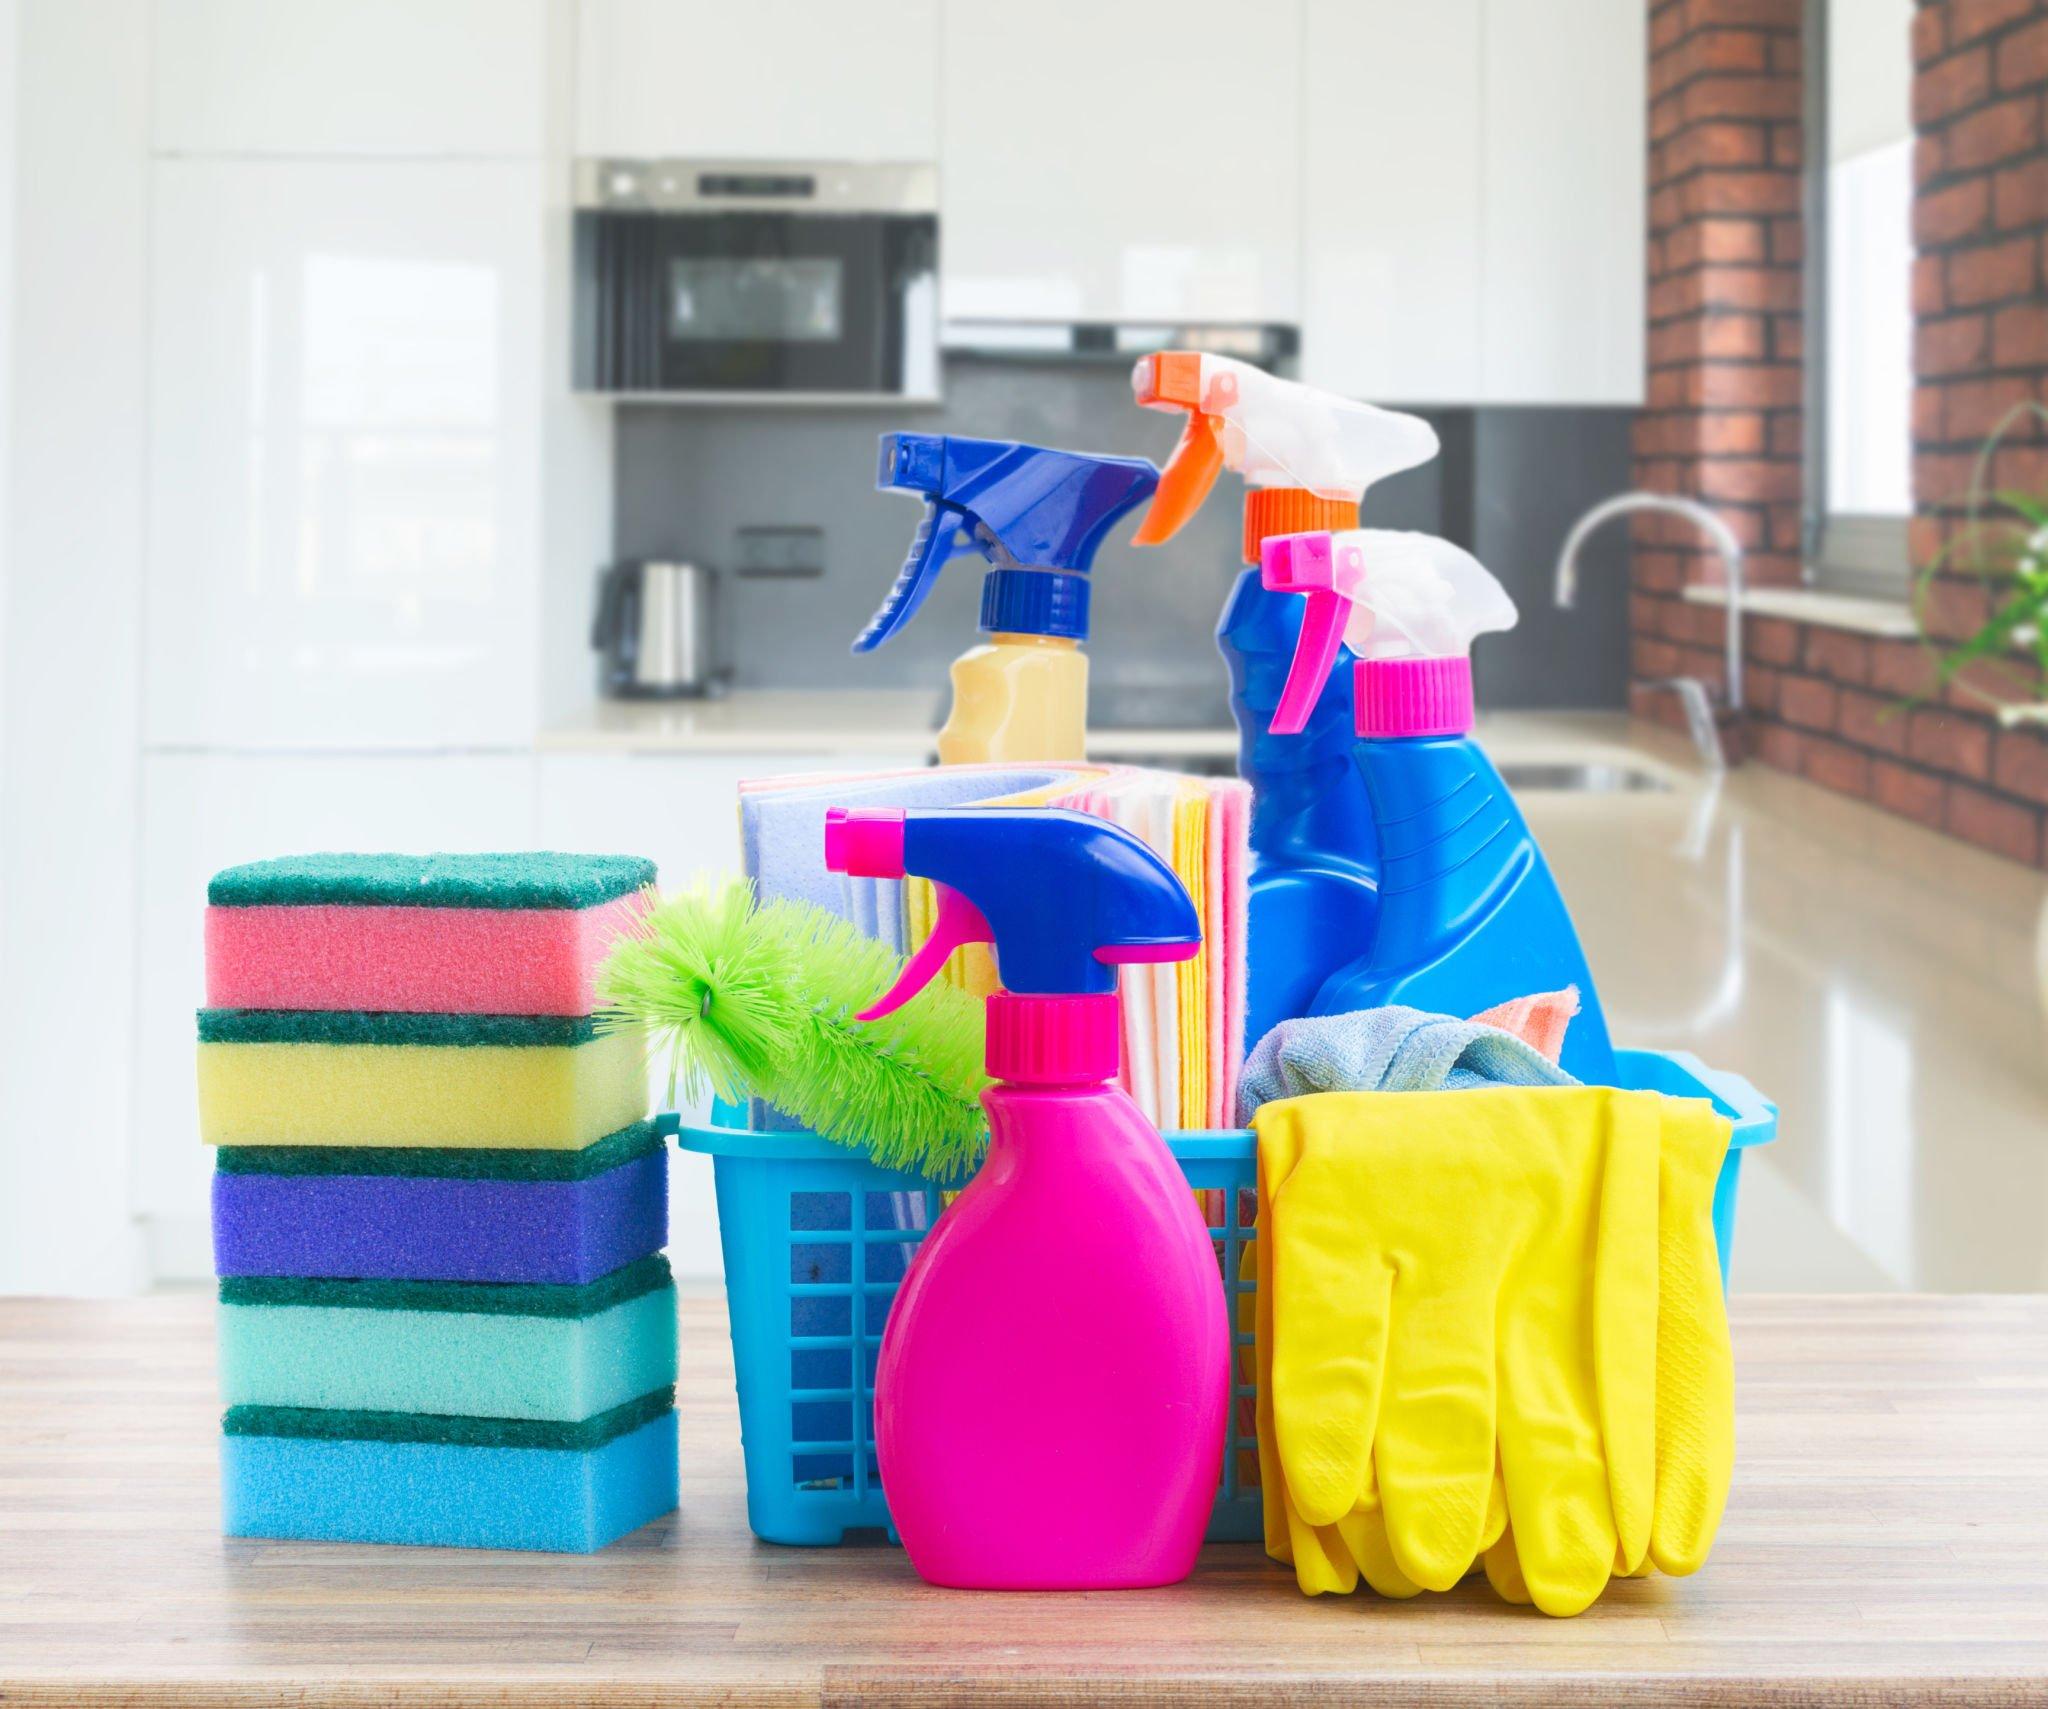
pixel 1053 1381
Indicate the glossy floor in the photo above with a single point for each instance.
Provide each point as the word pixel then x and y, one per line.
pixel 1888 987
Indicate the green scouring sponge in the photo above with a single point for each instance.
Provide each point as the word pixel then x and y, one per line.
pixel 758 1000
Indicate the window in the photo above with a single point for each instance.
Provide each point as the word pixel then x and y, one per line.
pixel 1859 379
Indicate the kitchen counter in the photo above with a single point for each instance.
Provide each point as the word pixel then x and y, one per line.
pixel 1886 1542
pixel 818 721
pixel 866 721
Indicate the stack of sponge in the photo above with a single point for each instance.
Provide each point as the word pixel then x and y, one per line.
pixel 438 1204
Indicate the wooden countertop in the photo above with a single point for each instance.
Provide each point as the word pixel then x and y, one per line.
pixel 1886 1543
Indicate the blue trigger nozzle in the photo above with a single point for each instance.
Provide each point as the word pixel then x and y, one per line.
pixel 1026 508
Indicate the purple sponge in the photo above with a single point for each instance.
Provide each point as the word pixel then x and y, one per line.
pixel 453 1228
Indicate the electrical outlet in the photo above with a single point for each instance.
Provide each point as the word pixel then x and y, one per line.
pixel 783 552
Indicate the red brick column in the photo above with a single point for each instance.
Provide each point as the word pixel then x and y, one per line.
pixel 1723 417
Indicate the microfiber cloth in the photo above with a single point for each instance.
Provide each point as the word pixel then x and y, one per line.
pixel 1191 978
pixel 782 831
pixel 782 835
pixel 1236 801
pixel 450 1491
pixel 1391 1049
pixel 463 1225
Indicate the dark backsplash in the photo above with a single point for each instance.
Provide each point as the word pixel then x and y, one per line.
pixel 689 479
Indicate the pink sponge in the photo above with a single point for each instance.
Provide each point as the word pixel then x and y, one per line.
pixel 447 961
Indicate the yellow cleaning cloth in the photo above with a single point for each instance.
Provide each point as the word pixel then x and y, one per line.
pixel 1191 978
pixel 1483 1308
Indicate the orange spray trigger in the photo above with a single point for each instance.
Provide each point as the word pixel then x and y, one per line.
pixel 1185 481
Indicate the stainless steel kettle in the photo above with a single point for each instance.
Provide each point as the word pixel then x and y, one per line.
pixel 655 631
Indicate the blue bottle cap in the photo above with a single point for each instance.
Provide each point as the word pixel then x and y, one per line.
pixel 1034 602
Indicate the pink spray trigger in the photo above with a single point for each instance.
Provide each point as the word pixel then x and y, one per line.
pixel 868 843
pixel 1312 566
pixel 959 922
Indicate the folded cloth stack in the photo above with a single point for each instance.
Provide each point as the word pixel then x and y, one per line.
pixel 438 1205
pixel 1491 1330
pixel 1183 1023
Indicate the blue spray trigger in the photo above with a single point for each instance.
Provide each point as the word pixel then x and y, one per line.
pixel 1023 507
pixel 946 532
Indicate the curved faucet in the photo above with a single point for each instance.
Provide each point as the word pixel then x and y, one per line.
pixel 1694 693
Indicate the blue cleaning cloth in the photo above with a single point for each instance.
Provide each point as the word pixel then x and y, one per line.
pixel 782 837
pixel 1393 1049
pixel 782 840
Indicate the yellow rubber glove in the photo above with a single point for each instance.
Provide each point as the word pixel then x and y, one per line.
pixel 1458 1275
pixel 1694 1438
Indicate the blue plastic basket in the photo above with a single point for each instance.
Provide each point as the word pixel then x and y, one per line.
pixel 817 1239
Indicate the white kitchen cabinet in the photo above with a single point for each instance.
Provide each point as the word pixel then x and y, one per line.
pixel 202 812
pixel 1561 316
pixel 763 80
pixel 344 454
pixel 1136 161
pixel 1391 162
pixel 434 77
pixel 1474 171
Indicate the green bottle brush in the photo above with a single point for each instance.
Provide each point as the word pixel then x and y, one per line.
pixel 757 1000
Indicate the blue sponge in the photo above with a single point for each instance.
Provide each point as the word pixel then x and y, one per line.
pixel 375 1491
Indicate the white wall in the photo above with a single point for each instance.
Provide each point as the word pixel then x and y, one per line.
pixel 71 630
pixel 10 60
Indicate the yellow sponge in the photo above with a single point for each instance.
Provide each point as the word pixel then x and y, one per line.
pixel 553 1097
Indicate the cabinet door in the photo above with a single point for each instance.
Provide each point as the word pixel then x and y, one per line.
pixel 768 79
pixel 368 77
pixel 1562 255
pixel 1390 231
pixel 344 454
pixel 201 812
pixel 1135 161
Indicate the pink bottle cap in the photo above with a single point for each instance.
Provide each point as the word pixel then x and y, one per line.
pixel 1053 1041
pixel 1413 697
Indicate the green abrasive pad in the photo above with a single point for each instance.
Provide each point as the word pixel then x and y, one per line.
pixel 493 1299
pixel 361 1026
pixel 450 1163
pixel 542 880
pixel 322 1424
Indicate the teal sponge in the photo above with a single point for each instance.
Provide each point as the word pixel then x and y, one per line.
pixel 542 880
pixel 489 1350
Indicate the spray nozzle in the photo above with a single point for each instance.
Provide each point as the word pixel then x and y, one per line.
pixel 1064 898
pixel 1022 507
pixel 1389 594
pixel 1273 432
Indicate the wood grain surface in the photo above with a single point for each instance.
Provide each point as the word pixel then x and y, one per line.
pixel 1886 1543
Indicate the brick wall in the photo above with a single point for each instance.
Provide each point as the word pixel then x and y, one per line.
pixel 1723 421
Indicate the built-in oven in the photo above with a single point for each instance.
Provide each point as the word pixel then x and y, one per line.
pixel 733 279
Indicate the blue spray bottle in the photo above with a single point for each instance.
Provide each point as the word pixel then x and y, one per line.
pixel 1469 915
pixel 1307 458
pixel 1037 515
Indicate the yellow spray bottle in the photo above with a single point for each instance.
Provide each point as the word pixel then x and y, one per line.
pixel 1037 516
